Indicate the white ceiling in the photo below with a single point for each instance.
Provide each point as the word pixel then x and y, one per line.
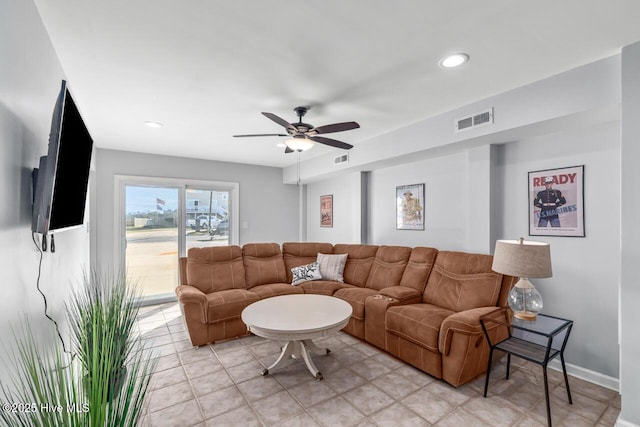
pixel 207 68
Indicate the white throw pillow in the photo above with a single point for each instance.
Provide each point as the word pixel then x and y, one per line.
pixel 332 266
pixel 304 273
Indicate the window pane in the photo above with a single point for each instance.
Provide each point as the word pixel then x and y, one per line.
pixel 207 218
pixel 152 238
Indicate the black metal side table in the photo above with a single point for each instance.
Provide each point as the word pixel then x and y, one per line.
pixel 538 341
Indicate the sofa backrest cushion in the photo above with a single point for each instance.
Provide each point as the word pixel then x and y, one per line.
pixel 418 268
pixel 215 268
pixel 388 266
pixel 359 261
pixel 296 254
pixel 461 281
pixel 263 264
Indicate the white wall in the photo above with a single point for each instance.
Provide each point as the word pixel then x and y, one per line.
pixel 30 78
pixel 476 196
pixel 268 208
pixel 582 95
pixel 476 193
pixel 346 191
pixel 584 286
pixel 446 207
pixel 630 232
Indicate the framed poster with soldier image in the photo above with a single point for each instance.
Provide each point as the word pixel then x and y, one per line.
pixel 556 202
pixel 410 207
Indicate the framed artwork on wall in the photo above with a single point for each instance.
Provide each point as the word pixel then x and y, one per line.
pixel 556 202
pixel 410 207
pixel 326 211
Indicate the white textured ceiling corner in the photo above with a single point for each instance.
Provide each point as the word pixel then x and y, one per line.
pixel 206 69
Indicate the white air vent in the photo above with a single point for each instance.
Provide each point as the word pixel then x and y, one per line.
pixel 482 118
pixel 464 123
pixel 343 158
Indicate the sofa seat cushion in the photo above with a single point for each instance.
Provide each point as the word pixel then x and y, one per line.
pixel 228 304
pixel 418 323
pixel 401 293
pixel 356 297
pixel 275 289
pixel 323 287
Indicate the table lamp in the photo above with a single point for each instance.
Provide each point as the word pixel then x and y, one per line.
pixel 523 259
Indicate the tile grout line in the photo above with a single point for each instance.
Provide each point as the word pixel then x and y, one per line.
pixel 355 345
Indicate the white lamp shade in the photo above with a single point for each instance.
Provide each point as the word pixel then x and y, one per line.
pixel 521 258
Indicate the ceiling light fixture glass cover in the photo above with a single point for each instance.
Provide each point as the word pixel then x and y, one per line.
pixel 299 143
pixel 454 60
pixel 153 124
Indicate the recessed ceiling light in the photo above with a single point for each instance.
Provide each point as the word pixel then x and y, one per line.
pixel 455 60
pixel 153 124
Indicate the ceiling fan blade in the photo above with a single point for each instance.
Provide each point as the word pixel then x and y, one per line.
pixel 288 150
pixel 331 142
pixel 280 121
pixel 261 134
pixel 336 127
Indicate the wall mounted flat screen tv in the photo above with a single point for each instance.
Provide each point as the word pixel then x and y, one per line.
pixel 62 178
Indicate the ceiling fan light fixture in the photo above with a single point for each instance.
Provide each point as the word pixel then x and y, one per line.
pixel 299 143
pixel 454 60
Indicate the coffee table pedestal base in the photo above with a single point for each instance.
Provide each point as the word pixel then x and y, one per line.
pixel 299 350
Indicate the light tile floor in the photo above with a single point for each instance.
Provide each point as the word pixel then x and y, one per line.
pixel 221 385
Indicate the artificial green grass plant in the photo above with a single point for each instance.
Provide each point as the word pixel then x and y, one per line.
pixel 115 368
pixel 103 384
pixel 46 388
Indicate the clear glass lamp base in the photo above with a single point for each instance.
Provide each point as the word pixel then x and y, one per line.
pixel 526 303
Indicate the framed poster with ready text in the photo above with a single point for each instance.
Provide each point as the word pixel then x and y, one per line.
pixel 556 202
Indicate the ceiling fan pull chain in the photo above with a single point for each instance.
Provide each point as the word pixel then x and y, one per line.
pixel 298 167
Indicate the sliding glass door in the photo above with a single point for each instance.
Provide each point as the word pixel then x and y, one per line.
pixel 159 220
pixel 151 235
pixel 207 213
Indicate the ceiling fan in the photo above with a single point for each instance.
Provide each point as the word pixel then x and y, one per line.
pixel 303 135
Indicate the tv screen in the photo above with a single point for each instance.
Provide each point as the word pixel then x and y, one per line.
pixel 63 176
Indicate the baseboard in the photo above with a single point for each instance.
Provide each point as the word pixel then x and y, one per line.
pixel 595 378
pixel 587 375
pixel 157 299
pixel 622 423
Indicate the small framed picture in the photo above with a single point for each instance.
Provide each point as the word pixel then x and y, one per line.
pixel 410 207
pixel 326 211
pixel 556 202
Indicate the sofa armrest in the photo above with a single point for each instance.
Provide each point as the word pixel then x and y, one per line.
pixel 401 293
pixel 191 295
pixel 466 322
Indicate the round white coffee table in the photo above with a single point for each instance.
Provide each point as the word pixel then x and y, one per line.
pixel 297 319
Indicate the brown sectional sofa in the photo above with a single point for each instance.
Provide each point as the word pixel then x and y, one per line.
pixel 419 304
